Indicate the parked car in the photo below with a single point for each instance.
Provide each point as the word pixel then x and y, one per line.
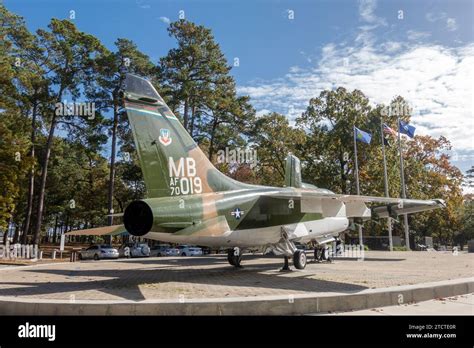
pixel 172 252
pixel 160 250
pixel 205 250
pixel 186 250
pixel 134 250
pixel 98 252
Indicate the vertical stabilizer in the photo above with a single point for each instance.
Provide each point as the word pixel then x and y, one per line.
pixel 171 162
pixel 292 171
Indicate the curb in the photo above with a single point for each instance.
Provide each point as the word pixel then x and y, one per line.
pixel 264 305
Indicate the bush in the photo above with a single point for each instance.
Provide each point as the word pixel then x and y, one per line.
pixel 399 248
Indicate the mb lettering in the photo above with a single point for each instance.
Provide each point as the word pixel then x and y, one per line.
pixel 37 331
pixel 183 179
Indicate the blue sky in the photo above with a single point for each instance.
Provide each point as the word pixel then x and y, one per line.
pixel 425 54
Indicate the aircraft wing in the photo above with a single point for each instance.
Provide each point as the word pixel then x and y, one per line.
pixel 99 231
pixel 338 205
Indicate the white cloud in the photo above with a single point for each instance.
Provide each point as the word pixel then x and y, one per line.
pixel 142 4
pixel 262 112
pixel 451 24
pixel 391 46
pixel 165 20
pixel 371 22
pixel 366 12
pixel 414 35
pixel 436 80
pixel 433 17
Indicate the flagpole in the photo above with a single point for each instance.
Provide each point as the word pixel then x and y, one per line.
pixel 402 175
pixel 385 181
pixel 361 242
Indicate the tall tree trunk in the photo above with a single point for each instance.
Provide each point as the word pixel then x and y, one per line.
pixel 66 224
pixel 191 125
pixel 110 197
pixel 44 175
pixel 55 233
pixel 213 134
pixel 112 159
pixel 16 234
pixel 341 171
pixel 31 179
pixel 185 116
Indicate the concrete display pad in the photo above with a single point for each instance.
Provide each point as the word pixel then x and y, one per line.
pixel 209 286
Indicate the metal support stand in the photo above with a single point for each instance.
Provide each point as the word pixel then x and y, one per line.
pixel 286 266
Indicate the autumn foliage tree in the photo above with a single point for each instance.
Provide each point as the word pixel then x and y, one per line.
pixel 53 181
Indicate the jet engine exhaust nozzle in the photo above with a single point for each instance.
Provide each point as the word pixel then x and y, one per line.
pixel 138 218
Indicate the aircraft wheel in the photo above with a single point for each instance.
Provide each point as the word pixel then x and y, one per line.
pixel 234 256
pixel 321 254
pixel 299 259
pixel 230 257
pixel 325 254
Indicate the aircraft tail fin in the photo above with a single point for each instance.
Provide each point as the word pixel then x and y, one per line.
pixel 171 162
pixel 293 172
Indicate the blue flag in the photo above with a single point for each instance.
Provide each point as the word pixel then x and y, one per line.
pixel 363 136
pixel 407 129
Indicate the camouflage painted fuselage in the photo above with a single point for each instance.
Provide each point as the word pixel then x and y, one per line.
pixel 189 200
pixel 243 218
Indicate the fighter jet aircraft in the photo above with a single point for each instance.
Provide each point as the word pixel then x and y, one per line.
pixel 189 201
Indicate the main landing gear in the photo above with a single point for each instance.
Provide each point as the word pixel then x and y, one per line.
pixel 299 259
pixel 321 253
pixel 287 248
pixel 234 256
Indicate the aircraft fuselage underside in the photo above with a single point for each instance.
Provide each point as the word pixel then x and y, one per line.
pixel 316 230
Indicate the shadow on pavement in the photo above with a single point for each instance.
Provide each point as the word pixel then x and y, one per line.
pixel 125 283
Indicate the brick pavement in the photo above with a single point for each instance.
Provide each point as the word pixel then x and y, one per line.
pixel 212 277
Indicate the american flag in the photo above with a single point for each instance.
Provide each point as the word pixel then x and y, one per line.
pixel 388 130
